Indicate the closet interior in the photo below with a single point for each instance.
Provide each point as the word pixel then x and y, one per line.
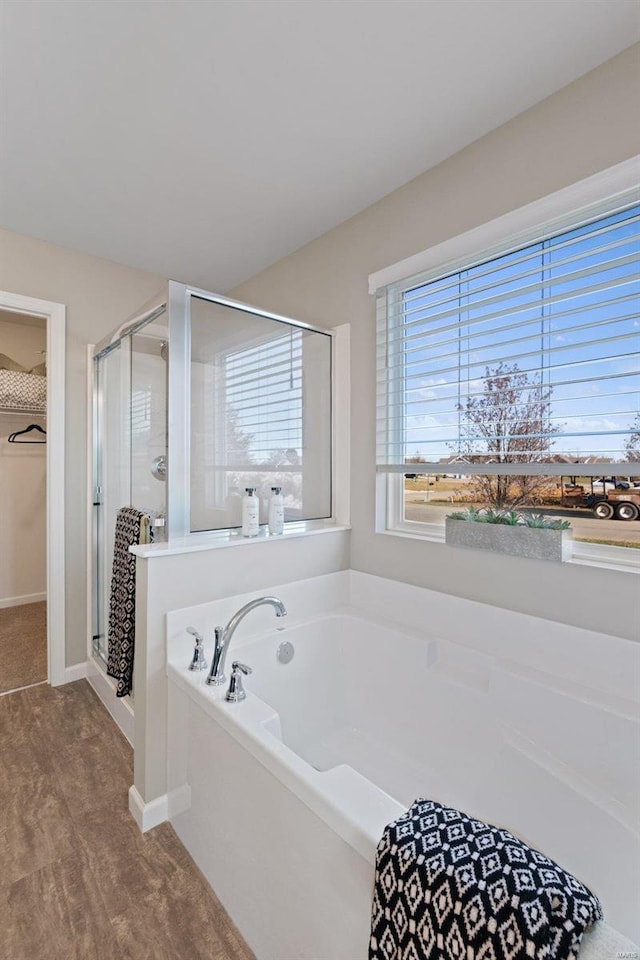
pixel 23 501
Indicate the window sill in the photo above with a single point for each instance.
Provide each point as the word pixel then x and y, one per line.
pixel 621 559
pixel 222 539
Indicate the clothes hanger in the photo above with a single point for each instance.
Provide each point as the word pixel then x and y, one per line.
pixel 32 426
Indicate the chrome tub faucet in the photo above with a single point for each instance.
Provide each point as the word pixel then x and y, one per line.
pixel 223 635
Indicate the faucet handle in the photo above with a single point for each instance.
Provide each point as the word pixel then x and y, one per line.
pixel 198 661
pixel 236 665
pixel 236 691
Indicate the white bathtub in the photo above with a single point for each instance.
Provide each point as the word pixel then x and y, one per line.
pixel 518 721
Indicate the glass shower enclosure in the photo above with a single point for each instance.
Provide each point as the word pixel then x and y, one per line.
pixel 195 399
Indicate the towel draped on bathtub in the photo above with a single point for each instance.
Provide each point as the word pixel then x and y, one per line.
pixel 449 887
pixel 132 527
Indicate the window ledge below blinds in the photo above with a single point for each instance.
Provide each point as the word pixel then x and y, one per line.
pixel 621 559
pixel 215 540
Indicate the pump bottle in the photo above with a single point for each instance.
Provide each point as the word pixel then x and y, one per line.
pixel 276 512
pixel 250 513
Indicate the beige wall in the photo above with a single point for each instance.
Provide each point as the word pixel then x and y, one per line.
pixel 23 475
pixel 23 340
pixel 98 296
pixel 580 130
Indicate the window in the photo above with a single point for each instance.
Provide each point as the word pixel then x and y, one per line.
pixel 260 415
pixel 511 378
pixel 262 395
pixel 140 415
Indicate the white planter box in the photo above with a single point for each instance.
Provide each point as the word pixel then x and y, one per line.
pixel 518 541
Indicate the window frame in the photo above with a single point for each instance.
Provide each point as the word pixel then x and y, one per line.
pixel 588 199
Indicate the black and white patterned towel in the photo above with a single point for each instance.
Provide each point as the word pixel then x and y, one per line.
pixel 130 527
pixel 449 887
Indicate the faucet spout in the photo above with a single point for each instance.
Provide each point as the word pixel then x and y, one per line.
pixel 223 635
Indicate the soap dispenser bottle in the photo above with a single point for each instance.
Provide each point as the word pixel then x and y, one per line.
pixel 250 513
pixel 276 512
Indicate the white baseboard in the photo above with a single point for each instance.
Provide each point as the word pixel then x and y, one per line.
pixel 77 672
pixel 179 800
pixel 150 815
pixel 120 708
pixel 20 601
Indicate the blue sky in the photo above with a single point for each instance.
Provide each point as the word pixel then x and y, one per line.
pixel 566 310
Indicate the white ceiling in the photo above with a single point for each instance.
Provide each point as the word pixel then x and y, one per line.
pixel 205 139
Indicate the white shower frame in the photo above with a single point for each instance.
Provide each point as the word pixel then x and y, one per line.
pixel 176 300
pixel 55 316
pixel 179 427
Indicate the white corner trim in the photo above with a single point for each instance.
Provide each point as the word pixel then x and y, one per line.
pixel 56 564
pixel 148 815
pixel 168 805
pixel 341 426
pixel 164 807
pixel 517 226
pixel 77 672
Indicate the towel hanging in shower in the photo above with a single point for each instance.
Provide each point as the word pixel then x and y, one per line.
pixel 450 886
pixel 132 527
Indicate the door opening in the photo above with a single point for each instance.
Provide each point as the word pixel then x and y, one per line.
pixel 32 638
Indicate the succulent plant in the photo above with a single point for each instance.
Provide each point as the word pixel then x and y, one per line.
pixel 472 513
pixel 540 522
pixel 510 518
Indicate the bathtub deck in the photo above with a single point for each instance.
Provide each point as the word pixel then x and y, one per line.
pixel 402 779
pixel 78 881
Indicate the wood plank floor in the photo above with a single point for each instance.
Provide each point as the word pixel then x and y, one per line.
pixel 78 881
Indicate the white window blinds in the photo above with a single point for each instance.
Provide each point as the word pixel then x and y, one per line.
pixel 263 404
pixel 530 357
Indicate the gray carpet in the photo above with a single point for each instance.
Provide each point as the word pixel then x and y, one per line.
pixel 23 645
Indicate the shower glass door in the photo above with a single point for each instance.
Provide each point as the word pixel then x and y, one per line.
pixel 130 448
pixel 111 475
